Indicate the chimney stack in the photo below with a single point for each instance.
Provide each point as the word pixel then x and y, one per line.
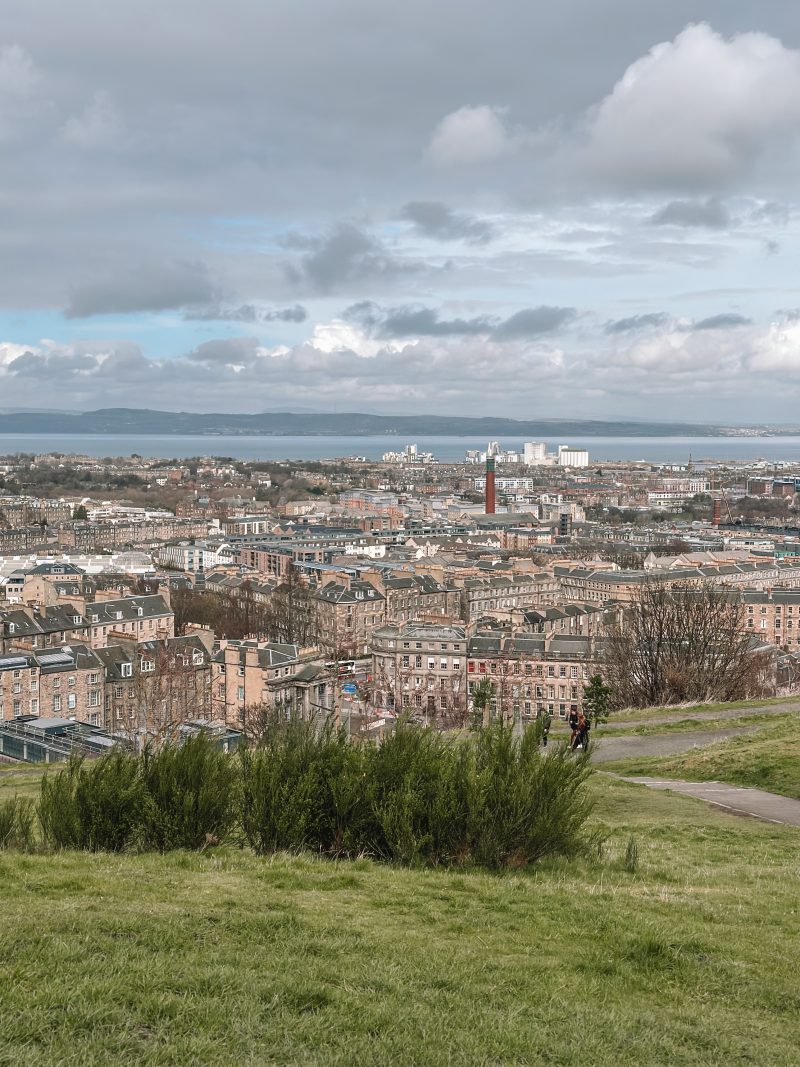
pixel 717 519
pixel 490 501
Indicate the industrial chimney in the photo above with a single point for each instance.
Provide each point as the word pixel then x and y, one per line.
pixel 490 462
pixel 717 518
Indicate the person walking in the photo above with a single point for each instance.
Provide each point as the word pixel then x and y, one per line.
pixel 587 725
pixel 577 736
pixel 574 723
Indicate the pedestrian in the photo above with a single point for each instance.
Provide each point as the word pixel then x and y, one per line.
pixel 587 725
pixel 573 725
pixel 547 718
pixel 577 737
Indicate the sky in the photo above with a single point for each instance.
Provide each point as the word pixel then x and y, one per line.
pixel 461 207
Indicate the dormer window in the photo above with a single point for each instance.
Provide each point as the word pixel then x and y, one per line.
pixel 140 612
pixel 76 619
pixel 95 618
pixel 126 670
pixel 119 614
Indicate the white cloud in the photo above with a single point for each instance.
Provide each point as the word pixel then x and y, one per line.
pixel 96 126
pixel 469 136
pixel 341 336
pixel 697 112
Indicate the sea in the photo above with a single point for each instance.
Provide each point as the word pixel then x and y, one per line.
pixel 770 450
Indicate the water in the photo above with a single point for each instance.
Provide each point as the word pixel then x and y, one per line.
pixel 446 449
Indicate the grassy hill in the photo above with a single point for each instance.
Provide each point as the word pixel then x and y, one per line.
pixel 767 759
pixel 684 957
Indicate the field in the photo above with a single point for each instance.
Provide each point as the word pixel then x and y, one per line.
pixel 682 953
pixel 768 758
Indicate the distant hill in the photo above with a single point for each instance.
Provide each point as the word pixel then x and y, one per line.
pixel 136 421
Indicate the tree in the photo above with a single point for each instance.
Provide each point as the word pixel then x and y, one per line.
pixel 80 513
pixel 682 642
pixel 597 699
pixel 482 698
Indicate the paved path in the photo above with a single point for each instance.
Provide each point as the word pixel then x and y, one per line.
pixel 761 805
pixel 633 746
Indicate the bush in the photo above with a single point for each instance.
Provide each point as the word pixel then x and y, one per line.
pixel 189 795
pixel 300 789
pixel 418 798
pixel 16 823
pixel 95 805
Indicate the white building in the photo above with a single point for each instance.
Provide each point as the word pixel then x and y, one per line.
pixel 534 453
pixel 572 457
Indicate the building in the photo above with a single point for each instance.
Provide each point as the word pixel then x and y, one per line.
pixel 420 668
pixel 348 610
pixel 53 682
pixel 572 457
pixel 251 680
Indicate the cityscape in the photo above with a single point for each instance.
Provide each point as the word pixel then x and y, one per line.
pixel 399 534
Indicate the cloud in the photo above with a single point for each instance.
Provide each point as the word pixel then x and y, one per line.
pixel 532 322
pixel 420 321
pixel 96 126
pixel 227 352
pixel 433 219
pixel 698 112
pixel 414 321
pixel 149 287
pixel 722 322
pixel 470 136
pixel 347 254
pixel 637 322
pixel 247 313
pixel 702 213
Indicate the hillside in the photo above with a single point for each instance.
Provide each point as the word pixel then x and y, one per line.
pixel 224 958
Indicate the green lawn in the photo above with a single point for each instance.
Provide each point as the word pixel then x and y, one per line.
pixel 645 714
pixel 766 759
pixel 19 778
pixel 228 959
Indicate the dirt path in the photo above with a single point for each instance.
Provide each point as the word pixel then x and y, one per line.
pixel 754 802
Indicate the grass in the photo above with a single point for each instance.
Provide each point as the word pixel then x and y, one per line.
pixel 19 779
pixel 766 759
pixel 688 725
pixel 646 714
pixel 685 957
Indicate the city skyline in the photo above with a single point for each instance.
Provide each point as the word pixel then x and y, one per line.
pixel 521 212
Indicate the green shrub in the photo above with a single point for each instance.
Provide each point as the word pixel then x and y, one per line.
pixel 94 805
pixel 16 823
pixel 189 795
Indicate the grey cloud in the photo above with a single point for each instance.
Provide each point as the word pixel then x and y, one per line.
pixel 414 321
pixel 346 254
pixel 420 321
pixel 225 352
pixel 722 322
pixel 148 287
pixel 247 313
pixel 30 363
pixel 433 219
pixel 637 322
pixel 533 322
pixel 711 214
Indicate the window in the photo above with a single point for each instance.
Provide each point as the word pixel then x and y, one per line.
pixel 240 693
pixel 35 706
pixel 57 703
pixel 94 679
pixel 94 698
pixel 72 701
pixel 71 680
pixel 443 663
pixel 418 661
pixel 17 707
pixel 456 664
pixel 16 687
pixel 126 670
pixel 406 661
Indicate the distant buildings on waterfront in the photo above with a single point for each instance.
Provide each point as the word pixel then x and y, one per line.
pixel 533 454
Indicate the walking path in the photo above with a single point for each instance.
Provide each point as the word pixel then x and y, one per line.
pixel 756 802
pixel 671 744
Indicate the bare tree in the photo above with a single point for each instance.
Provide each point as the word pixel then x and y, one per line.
pixel 682 642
